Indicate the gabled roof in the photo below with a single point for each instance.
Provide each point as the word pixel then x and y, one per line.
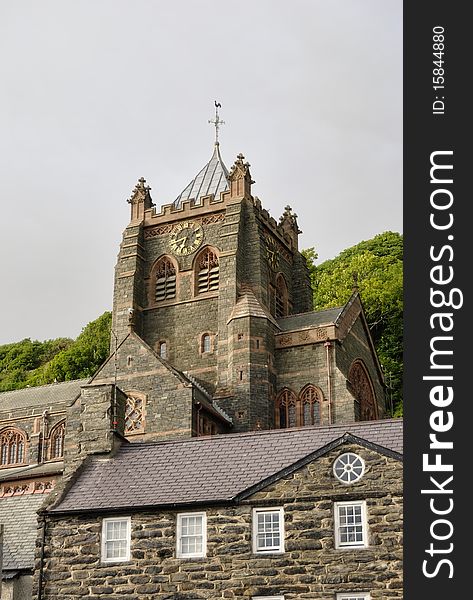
pixel 44 395
pixel 209 469
pixel 133 338
pixel 211 179
pixel 317 318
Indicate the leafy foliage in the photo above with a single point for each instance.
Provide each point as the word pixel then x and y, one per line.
pixel 375 267
pixel 29 363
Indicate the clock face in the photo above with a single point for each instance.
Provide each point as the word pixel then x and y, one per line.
pixel 272 253
pixel 186 238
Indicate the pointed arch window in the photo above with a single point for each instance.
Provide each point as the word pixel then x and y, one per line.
pixel 207 271
pixel 281 297
pixel 56 440
pixel 165 278
pixel 12 447
pixel 310 400
pixel 360 385
pixel 286 409
pixel 298 411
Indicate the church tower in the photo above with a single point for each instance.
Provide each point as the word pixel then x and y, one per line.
pixel 218 292
pixel 203 282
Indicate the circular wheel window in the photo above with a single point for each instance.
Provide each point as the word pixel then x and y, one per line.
pixel 349 467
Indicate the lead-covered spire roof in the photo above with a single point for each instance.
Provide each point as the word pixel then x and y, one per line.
pixel 211 179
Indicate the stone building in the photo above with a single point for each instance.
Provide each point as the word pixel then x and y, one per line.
pixel 310 512
pixel 213 333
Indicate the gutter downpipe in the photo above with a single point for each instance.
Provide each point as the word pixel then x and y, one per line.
pixel 41 558
pixel 328 345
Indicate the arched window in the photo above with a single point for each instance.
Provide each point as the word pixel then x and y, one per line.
pixel 56 440
pixel 207 271
pixel 286 409
pixel 163 350
pixel 165 278
pixel 206 343
pixel 293 411
pixel 281 301
pixel 12 447
pixel 134 413
pixel 310 400
pixel 360 385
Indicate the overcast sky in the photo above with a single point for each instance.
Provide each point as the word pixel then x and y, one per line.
pixel 97 93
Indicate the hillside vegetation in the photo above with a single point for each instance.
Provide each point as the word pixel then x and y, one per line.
pixel 375 268
pixel 29 363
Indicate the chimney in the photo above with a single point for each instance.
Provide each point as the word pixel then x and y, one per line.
pixel 95 424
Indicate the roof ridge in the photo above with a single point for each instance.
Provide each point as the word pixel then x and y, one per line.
pixel 45 385
pixel 263 432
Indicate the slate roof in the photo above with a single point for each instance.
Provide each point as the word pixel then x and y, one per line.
pixel 18 515
pixel 208 469
pixel 211 179
pixel 247 305
pixel 44 395
pixel 310 319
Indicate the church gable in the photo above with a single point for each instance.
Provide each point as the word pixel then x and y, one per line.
pixel 160 398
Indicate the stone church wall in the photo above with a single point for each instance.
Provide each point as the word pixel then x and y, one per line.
pixel 355 345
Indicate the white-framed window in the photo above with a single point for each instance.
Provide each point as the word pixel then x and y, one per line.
pixel 116 539
pixel 350 524
pixel 268 530
pixel 354 596
pixel 268 598
pixel 191 535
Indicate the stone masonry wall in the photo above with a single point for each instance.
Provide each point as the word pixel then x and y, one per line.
pixel 299 365
pixel 168 399
pixel 310 568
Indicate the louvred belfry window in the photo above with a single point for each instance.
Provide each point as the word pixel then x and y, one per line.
pixel 57 441
pixel 12 447
pixel 165 280
pixel 207 272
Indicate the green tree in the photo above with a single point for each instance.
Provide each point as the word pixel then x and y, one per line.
pixel 19 359
pixel 29 363
pixel 82 358
pixel 375 267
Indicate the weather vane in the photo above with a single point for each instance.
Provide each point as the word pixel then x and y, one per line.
pixel 217 121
